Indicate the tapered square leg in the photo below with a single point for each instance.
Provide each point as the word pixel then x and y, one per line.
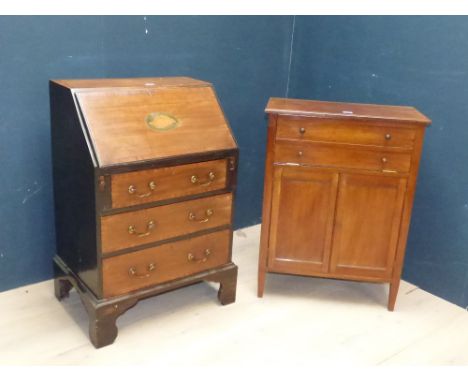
pixel 261 282
pixel 392 295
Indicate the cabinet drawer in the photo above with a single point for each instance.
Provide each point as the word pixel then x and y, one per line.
pixel 339 131
pixel 138 187
pixel 345 157
pixel 135 228
pixel 136 270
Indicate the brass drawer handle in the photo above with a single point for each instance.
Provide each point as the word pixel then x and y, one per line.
pixel 388 137
pixel 302 130
pixel 384 160
pixel 193 217
pixel 149 227
pixel 132 272
pixel 195 180
pixel 151 185
pixel 300 153
pixel 192 259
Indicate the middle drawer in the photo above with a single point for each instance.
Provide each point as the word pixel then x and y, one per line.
pixel 346 156
pixel 131 229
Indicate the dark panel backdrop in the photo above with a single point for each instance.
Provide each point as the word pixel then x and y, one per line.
pixel 246 58
pixel 419 61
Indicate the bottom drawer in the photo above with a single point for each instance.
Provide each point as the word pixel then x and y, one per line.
pixel 140 269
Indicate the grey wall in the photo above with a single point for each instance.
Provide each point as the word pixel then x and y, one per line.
pixel 246 58
pixel 418 61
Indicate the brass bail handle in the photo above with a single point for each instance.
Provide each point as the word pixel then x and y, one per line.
pixel 132 190
pixel 211 177
pixel 132 272
pixel 208 213
pixel 192 259
pixel 149 227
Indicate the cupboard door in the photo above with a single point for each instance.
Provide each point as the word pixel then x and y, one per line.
pixel 303 208
pixel 368 216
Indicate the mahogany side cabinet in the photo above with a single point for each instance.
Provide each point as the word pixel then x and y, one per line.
pixel 144 176
pixel 339 187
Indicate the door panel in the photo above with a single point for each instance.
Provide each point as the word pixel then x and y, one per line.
pixel 302 219
pixel 367 222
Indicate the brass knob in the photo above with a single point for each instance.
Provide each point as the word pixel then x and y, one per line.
pixel 384 160
pixel 131 189
pixel 302 130
pixel 388 137
pixel 300 153
pixel 152 185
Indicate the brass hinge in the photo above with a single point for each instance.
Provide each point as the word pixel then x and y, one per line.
pixel 102 183
pixel 232 164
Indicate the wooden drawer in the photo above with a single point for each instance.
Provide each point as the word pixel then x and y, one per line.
pixel 344 157
pixel 132 271
pixel 339 131
pixel 135 228
pixel 138 187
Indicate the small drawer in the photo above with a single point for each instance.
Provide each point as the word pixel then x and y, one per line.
pixel 138 187
pixel 339 131
pixel 343 157
pixel 131 229
pixel 141 269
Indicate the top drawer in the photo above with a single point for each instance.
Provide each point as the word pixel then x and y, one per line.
pixel 138 187
pixel 339 131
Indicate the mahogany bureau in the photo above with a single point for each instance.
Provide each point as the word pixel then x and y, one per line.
pixel 339 187
pixel 144 177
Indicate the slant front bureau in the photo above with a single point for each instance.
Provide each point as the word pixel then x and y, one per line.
pixel 144 179
pixel 339 187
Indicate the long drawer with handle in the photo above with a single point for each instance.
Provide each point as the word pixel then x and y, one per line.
pixel 136 270
pixel 346 156
pixel 139 187
pixel 131 229
pixel 349 132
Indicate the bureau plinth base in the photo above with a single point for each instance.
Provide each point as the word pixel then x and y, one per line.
pixel 103 313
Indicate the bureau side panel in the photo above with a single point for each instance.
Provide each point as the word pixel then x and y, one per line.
pixel 74 198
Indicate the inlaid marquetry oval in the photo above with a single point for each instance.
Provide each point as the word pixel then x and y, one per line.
pixel 159 121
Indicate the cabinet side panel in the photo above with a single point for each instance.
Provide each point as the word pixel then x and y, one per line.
pixel 74 198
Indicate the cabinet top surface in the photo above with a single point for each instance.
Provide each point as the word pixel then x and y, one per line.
pixel 129 122
pixel 301 107
pixel 144 82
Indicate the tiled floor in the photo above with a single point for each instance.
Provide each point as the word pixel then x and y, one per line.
pixel 300 321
